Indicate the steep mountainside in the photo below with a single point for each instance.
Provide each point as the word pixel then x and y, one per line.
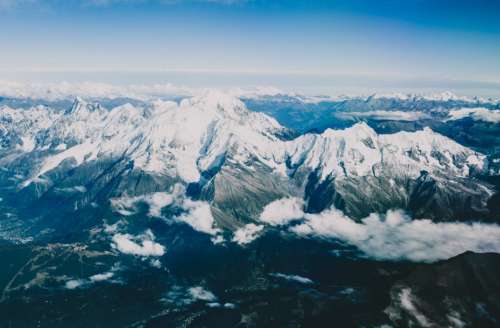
pixel 460 292
pixel 235 159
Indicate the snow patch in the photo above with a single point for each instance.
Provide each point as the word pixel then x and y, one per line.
pixel 79 153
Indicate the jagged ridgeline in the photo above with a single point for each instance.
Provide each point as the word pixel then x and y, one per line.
pixel 222 153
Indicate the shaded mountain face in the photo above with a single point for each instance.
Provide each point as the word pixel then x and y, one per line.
pixel 236 160
pixel 460 292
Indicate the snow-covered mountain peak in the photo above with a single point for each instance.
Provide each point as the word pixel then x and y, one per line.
pixel 183 140
pixel 83 108
pixel 438 96
pixel 201 130
pixel 360 151
pixel 177 139
pixel 359 130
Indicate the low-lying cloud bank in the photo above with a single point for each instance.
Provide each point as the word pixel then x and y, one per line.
pixel 63 90
pixel 477 114
pixel 386 115
pixel 390 236
pixel 142 92
pixel 395 236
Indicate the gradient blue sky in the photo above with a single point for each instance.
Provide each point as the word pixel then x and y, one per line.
pixel 424 42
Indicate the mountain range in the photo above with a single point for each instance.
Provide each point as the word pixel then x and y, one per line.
pixel 141 184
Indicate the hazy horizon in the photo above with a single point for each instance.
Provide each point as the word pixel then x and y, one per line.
pixel 315 46
pixel 307 84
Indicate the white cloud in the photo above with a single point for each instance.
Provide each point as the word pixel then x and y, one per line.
pixel 218 305
pixel 394 236
pixel 198 216
pixel 143 92
pixel 102 276
pixel 155 263
pixel 386 115
pixel 247 233
pixel 213 305
pixel 477 114
pixel 126 205
pixel 282 211
pixel 157 201
pixel 82 283
pixel 200 293
pixel 181 296
pixel 141 245
pixel 76 189
pixel 64 90
pixel 75 283
pixel 292 277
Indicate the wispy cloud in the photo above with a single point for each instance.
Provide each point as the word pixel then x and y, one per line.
pixel 163 2
pixel 52 4
pixel 10 4
pixel 292 277
pixel 181 296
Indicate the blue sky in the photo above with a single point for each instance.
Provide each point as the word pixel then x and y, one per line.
pixel 413 43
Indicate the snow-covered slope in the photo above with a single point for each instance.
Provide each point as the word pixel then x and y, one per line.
pixel 166 138
pixel 18 128
pixel 183 140
pixel 360 151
